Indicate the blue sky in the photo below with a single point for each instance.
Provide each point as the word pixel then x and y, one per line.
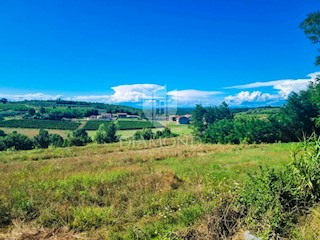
pixel 202 51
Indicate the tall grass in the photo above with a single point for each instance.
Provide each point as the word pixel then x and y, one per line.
pixel 136 190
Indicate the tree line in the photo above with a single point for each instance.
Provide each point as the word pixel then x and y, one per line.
pixel 107 133
pixel 298 118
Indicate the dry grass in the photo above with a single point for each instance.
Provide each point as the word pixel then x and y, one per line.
pixel 134 190
pixel 22 231
pixel 30 132
pixel 309 227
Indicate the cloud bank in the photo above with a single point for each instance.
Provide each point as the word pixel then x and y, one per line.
pixel 30 96
pixel 137 93
pixel 283 89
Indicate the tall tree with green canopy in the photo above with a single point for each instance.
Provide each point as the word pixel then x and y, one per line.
pixel 107 133
pixel 42 140
pixel 311 27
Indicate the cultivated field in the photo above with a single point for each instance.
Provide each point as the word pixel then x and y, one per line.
pixel 131 190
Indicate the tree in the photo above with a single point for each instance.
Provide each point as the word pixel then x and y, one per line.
pixel 107 133
pixel 311 27
pixel 78 137
pixel 42 110
pixel 144 134
pixel 198 116
pixel 2 133
pixel 56 140
pixel 298 116
pixel 31 111
pixel 166 133
pixel 18 141
pixel 3 100
pixel 42 140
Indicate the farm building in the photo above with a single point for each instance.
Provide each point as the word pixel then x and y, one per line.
pixel 122 115
pixel 183 120
pixel 92 117
pixel 132 116
pixel 173 118
pixel 105 116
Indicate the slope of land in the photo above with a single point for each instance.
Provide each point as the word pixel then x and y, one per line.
pixel 129 190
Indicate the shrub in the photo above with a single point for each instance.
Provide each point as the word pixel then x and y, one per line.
pixel 274 200
pixel 18 141
pixel 107 134
pixel 78 137
pixel 145 134
pixel 166 133
pixel 2 133
pixel 42 140
pixel 56 140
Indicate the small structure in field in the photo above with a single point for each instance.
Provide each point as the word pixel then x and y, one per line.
pixel 105 116
pixel 173 118
pixel 132 116
pixel 183 120
pixel 92 117
pixel 122 115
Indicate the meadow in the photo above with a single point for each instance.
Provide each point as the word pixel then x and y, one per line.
pixel 159 189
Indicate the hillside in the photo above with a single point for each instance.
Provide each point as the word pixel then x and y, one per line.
pixel 136 190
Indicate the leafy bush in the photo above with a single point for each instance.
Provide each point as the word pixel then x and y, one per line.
pixel 78 137
pixel 107 133
pixel 17 141
pixel 56 140
pixel 145 134
pixel 42 140
pixel 2 133
pixel 165 133
pixel 274 200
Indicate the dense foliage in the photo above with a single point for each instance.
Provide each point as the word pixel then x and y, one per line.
pixel 107 133
pixel 148 134
pixel 15 141
pixel 78 137
pixel 299 117
pixel 40 124
pixel 311 27
pixel 274 200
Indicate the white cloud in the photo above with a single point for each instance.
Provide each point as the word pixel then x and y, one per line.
pixel 134 92
pixel 30 96
pixel 255 96
pixel 283 87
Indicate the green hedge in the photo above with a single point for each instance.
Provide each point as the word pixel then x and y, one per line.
pixel 40 124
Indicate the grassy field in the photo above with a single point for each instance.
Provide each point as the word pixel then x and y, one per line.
pixel 125 134
pixel 129 190
pixel 31 132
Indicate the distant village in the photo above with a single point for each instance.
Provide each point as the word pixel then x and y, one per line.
pixel 179 119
